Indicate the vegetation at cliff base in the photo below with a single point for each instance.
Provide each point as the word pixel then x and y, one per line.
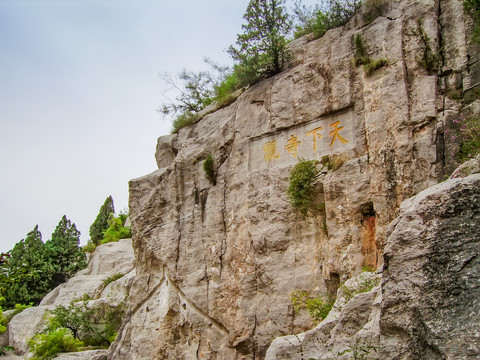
pixel 76 327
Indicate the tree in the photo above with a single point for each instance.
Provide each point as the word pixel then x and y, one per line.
pixel 328 15
pixel 101 222
pixel 261 49
pixel 28 273
pixel 64 253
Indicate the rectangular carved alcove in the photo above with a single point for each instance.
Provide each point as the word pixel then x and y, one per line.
pixel 330 134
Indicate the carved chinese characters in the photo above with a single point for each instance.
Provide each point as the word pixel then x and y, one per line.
pixel 333 134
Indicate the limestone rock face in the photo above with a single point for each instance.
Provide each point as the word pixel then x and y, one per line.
pixel 427 307
pixel 351 325
pixel 107 260
pixel 216 261
pixel 431 289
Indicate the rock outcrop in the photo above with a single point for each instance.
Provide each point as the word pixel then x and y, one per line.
pixel 431 289
pixel 216 261
pixel 427 307
pixel 351 326
pixel 107 260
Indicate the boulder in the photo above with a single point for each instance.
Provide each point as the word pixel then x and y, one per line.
pixel 107 260
pixel 23 326
pixel 431 290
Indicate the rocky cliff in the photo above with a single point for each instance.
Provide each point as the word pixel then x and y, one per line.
pixel 217 260
pixel 427 305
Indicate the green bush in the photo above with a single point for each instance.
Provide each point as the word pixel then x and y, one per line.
pixel 209 168
pixel 94 326
pixel 318 21
pixel 47 345
pixel 90 247
pixel 183 120
pixel 301 189
pixel 317 307
pixel 116 229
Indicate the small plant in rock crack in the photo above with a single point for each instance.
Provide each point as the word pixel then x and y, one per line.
pixel 209 168
pixel 430 60
pixel 361 57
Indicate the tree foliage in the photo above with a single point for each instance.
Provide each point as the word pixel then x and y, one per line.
pixel 28 271
pixel 116 229
pixel 327 15
pixel 93 325
pixel 32 268
pixel 101 222
pixel 64 253
pixel 195 91
pixel 261 50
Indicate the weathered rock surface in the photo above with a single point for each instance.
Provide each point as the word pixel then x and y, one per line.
pixel 216 263
pixel 84 355
pixel 107 260
pixel 351 325
pixel 24 326
pixel 431 288
pixel 430 303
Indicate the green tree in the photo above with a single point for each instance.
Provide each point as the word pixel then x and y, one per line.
pixel 261 49
pixel 321 18
pixel 101 222
pixel 28 271
pixel 64 253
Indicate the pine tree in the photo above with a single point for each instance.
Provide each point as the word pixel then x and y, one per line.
pixel 28 271
pixel 64 253
pixel 101 222
pixel 261 50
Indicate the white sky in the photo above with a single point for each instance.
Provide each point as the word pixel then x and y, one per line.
pixel 79 93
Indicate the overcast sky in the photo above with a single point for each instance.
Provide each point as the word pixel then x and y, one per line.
pixel 79 93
